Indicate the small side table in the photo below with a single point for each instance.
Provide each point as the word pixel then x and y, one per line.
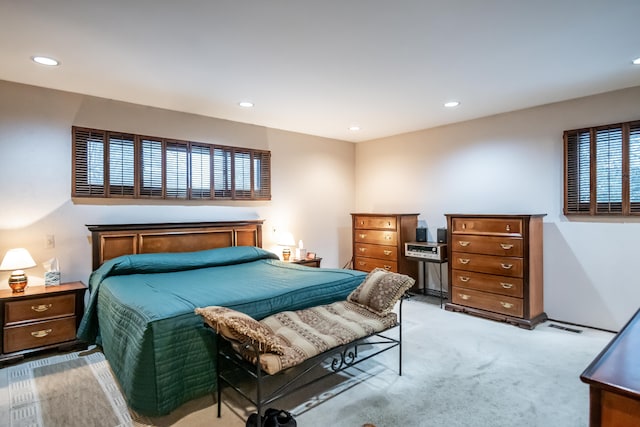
pixel 314 262
pixel 425 273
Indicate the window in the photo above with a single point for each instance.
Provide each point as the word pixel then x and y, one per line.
pixel 602 170
pixel 119 165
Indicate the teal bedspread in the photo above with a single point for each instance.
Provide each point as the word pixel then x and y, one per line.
pixel 141 311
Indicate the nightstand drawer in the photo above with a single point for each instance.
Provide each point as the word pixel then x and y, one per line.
pixel 39 308
pixel 39 334
pixel 368 264
pixel 377 251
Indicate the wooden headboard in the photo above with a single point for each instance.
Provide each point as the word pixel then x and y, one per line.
pixel 112 240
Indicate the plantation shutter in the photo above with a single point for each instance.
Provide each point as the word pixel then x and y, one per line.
pixel 609 170
pixel 634 167
pixel 176 170
pixel 88 162
pixel 151 168
pixel 262 175
pixel 200 172
pixel 121 165
pixel 578 147
pixel 222 172
pixel 242 174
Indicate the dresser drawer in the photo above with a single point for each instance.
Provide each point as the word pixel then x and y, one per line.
pixel 379 222
pixel 368 264
pixel 39 334
pixel 489 245
pixel 39 308
pixel 510 286
pixel 376 237
pixel 377 251
pixel 486 301
pixel 488 226
pixel 504 266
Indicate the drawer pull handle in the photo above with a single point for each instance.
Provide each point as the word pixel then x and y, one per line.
pixel 464 226
pixel 361 222
pixel 506 246
pixel 387 253
pixel 464 279
pixel 506 285
pixel 464 260
pixel 508 227
pixel 41 334
pixel 362 236
pixel 40 308
pixel 463 243
pixel 464 296
pixel 387 267
pixel 507 266
pixel 362 249
pixel 387 237
pixel 389 223
pixel 506 304
pixel 361 263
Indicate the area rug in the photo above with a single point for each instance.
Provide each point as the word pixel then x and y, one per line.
pixel 74 389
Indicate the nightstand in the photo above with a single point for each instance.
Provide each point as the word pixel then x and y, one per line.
pixel 315 262
pixel 40 318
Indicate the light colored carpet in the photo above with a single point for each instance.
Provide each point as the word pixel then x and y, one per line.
pixel 62 391
pixel 458 370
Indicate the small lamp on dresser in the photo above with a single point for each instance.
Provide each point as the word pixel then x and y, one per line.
pixel 17 260
pixel 286 240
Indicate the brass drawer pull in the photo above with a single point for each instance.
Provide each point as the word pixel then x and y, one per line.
pixel 464 296
pixel 464 279
pixel 507 266
pixel 506 246
pixel 508 227
pixel 387 237
pixel 362 249
pixel 40 308
pixel 41 334
pixel 387 267
pixel 506 285
pixel 361 263
pixel 463 243
pixel 361 222
pixel 506 304
pixel 464 260
pixel 387 253
pixel 362 236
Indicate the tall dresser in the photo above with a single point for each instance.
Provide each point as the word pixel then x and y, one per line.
pixel 495 267
pixel 378 241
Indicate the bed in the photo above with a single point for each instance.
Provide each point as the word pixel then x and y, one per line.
pixel 147 282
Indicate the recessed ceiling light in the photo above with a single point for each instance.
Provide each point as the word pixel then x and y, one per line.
pixel 245 104
pixel 354 128
pixel 636 61
pixel 45 60
pixel 451 104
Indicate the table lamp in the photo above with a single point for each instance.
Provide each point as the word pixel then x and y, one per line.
pixel 286 240
pixel 17 260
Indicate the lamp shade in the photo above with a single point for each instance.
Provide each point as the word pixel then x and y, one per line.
pixel 17 259
pixel 286 239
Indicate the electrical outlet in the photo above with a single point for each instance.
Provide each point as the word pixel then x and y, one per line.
pixel 50 241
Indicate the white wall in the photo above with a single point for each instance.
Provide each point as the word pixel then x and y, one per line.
pixel 513 163
pixel 313 181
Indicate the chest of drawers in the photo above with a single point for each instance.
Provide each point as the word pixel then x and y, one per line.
pixel 495 267
pixel 378 242
pixel 40 318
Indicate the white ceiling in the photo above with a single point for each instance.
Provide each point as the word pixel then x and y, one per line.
pixel 318 67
